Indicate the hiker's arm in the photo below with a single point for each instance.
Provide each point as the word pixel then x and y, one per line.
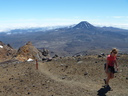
pixel 116 64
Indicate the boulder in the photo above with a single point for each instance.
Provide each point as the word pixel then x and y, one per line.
pixel 45 52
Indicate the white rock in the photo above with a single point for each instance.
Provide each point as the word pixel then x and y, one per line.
pixel 30 60
pixel 79 62
pixel 1 46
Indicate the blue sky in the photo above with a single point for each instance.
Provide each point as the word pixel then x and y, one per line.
pixel 38 13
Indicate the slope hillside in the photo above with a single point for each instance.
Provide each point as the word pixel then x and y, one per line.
pixel 67 76
pixel 6 52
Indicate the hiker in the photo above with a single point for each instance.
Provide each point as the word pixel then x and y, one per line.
pixel 111 61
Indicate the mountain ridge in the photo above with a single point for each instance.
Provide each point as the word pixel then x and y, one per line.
pixel 71 40
pixel 82 23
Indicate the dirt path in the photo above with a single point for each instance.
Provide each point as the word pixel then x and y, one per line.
pixel 90 85
pixel 94 87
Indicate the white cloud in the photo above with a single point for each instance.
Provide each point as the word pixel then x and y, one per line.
pixel 119 17
pixel 120 25
pixel 28 23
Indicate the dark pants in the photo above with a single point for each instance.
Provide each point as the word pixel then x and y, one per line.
pixel 111 69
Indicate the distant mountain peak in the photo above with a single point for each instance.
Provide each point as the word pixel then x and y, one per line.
pixel 84 25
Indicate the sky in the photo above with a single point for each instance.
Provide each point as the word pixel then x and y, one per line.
pixel 42 13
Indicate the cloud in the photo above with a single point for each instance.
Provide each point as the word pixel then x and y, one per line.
pixel 118 25
pixel 33 22
pixel 28 23
pixel 119 17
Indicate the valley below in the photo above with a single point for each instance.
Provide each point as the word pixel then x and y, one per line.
pixel 67 41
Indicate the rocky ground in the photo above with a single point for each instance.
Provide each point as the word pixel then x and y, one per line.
pixel 63 76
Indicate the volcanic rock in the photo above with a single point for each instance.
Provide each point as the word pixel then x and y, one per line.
pixel 28 51
pixel 6 52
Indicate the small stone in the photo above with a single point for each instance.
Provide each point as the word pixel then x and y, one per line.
pixel 85 73
pixel 48 81
pixel 79 62
pixel 43 84
pixel 21 80
pixel 66 66
pixel 78 59
pixel 63 77
pixel 29 93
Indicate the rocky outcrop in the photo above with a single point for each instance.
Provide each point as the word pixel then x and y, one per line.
pixel 6 52
pixel 45 52
pixel 25 53
pixel 28 51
